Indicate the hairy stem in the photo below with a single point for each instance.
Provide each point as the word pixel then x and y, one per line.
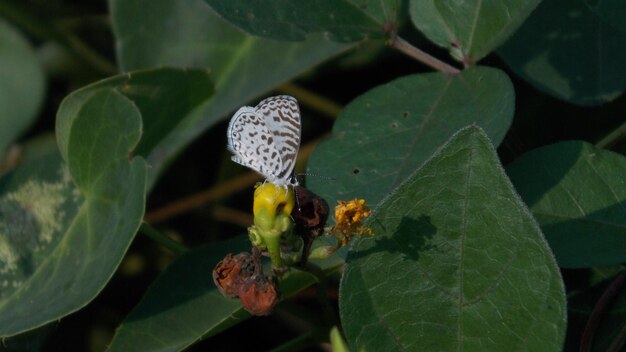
pixel 421 56
pixel 612 138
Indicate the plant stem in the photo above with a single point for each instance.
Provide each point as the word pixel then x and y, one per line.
pixel 421 56
pixel 601 306
pixel 199 199
pixel 311 99
pixel 162 239
pixel 612 138
pixel 272 242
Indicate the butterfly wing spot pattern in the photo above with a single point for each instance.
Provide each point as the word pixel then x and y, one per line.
pixel 266 138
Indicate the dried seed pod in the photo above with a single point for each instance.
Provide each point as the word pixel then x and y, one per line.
pixel 311 212
pixel 310 216
pixel 259 295
pixel 230 274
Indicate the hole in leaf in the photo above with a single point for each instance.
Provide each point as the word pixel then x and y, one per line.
pixel 405 114
pixel 356 170
pixel 394 125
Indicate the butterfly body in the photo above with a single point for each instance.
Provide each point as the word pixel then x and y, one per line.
pixel 266 138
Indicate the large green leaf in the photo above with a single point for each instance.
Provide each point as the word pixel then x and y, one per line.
pixel 189 34
pixel 37 203
pixel 578 195
pixel 64 247
pixel 470 29
pixel 163 96
pixel 457 263
pixel 184 306
pixel 21 84
pixel 567 51
pixel 386 133
pixel 610 11
pixel 340 20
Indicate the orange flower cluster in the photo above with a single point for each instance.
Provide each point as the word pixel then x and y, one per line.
pixel 349 217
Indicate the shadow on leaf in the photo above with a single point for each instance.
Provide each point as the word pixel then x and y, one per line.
pixel 409 239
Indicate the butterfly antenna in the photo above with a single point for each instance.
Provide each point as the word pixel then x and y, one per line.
pixel 316 175
pixel 295 191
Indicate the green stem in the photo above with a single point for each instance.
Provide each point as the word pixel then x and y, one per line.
pixel 162 239
pixel 421 56
pixel 612 138
pixel 272 241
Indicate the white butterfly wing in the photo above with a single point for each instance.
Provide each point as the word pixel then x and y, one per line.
pixel 282 118
pixel 252 144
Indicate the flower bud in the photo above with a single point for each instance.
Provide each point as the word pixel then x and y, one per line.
pixel 270 202
pixel 272 209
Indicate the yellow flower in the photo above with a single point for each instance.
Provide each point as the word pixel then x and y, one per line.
pixel 272 209
pixel 349 217
pixel 271 201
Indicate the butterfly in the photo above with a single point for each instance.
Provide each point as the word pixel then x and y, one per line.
pixel 266 138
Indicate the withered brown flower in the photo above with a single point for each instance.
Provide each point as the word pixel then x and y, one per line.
pixel 230 274
pixel 259 295
pixel 310 215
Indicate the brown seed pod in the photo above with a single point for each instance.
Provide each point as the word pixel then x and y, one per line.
pixel 259 295
pixel 310 215
pixel 230 274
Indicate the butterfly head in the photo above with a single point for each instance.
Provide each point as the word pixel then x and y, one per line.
pixel 293 180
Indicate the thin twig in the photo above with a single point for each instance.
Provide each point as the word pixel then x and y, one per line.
pixel 162 239
pixel 220 191
pixel 612 138
pixel 313 100
pixel 421 56
pixel 232 216
pixel 199 199
pixel 598 311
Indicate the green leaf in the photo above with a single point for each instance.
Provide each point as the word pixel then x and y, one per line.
pixel 386 133
pixel 456 263
pixel 578 195
pixel 184 306
pixel 162 96
pixel 565 50
pixel 21 84
pixel 243 67
pixel 470 29
pixel 37 203
pixel 340 20
pixel 74 242
pixel 610 11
